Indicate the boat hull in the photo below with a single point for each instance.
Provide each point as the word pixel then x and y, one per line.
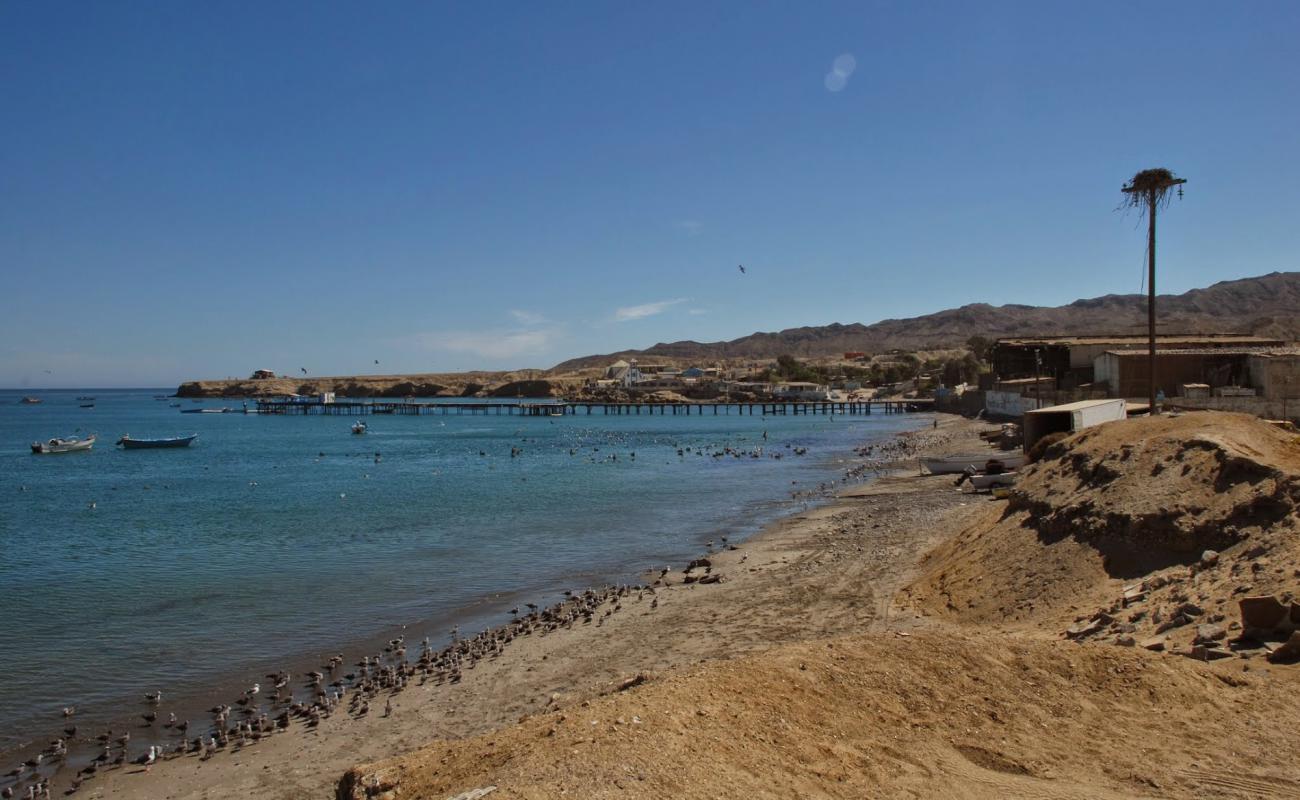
pixel 63 446
pixel 955 465
pixel 156 444
pixel 980 482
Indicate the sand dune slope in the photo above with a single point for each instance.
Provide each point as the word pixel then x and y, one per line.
pixel 937 714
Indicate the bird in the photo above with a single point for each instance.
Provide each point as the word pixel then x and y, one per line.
pixel 154 697
pixel 376 361
pixel 304 370
pixel 69 710
pixel 741 267
pixel 148 759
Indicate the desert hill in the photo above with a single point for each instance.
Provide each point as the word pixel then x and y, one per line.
pixel 1266 305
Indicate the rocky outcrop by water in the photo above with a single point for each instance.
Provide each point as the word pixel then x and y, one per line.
pixel 463 384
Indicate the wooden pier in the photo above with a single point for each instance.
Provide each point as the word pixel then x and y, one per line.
pixel 561 408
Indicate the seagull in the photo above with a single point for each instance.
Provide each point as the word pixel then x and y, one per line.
pixel 741 267
pixel 148 759
pixel 376 361
pixel 304 370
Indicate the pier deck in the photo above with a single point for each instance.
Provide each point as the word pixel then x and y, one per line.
pixel 559 408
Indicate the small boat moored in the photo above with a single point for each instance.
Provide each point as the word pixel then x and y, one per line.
pixel 30 401
pixel 359 427
pixel 69 445
pixel 956 464
pixel 148 444
pixel 987 481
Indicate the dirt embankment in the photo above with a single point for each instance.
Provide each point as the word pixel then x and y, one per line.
pixel 1141 533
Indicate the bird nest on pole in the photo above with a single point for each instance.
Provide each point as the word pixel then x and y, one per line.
pixel 1150 187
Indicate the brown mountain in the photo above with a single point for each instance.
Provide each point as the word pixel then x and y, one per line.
pixel 1266 305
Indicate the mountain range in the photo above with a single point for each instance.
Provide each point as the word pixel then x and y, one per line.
pixel 1267 305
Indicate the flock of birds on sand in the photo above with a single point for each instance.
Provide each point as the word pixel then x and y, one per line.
pixel 264 711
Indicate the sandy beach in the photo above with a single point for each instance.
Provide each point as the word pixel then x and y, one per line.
pixel 906 639
pixel 826 572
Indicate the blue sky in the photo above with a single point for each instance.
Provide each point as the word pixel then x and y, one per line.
pixel 199 189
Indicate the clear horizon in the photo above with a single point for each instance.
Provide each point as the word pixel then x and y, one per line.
pixel 197 192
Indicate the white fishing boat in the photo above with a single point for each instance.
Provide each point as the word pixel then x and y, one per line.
pixel 359 427
pixel 957 464
pixel 988 481
pixel 69 445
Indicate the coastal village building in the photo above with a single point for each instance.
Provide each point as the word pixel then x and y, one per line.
pixel 1070 360
pixel 800 390
pixel 1253 380
pixel 1230 372
pixel 262 374
pixel 623 373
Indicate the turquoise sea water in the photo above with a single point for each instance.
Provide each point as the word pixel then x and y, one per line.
pixel 279 537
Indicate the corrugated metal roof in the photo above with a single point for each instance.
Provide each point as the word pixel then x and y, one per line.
pixel 1138 339
pixel 1075 406
pixel 1207 351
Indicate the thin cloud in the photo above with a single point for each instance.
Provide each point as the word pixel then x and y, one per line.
pixel 691 226
pixel 697 312
pixel 527 317
pixel 644 310
pixel 841 69
pixel 489 343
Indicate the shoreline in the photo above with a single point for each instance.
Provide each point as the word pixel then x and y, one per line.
pixel 484 608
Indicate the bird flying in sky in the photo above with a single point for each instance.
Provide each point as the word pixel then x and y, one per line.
pixel 741 267
pixel 304 370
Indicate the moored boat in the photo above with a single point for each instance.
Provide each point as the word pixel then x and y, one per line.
pixel 87 405
pixel 956 464
pixel 359 427
pixel 70 444
pixel 988 481
pixel 205 411
pixel 147 444
pixel 30 401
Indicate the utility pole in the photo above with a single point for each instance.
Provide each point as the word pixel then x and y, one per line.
pixel 1038 368
pixel 1147 190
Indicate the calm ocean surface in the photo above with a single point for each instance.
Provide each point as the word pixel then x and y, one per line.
pixel 278 537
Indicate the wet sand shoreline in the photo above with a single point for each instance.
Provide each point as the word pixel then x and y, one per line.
pixel 532 673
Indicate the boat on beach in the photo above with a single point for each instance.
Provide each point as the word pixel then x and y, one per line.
pixel 990 480
pixel 128 443
pixel 956 464
pixel 359 427
pixel 71 444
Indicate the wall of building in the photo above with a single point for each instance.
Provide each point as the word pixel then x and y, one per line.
pixel 1008 404
pixel 1256 406
pixel 1275 376
pixel 1127 375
